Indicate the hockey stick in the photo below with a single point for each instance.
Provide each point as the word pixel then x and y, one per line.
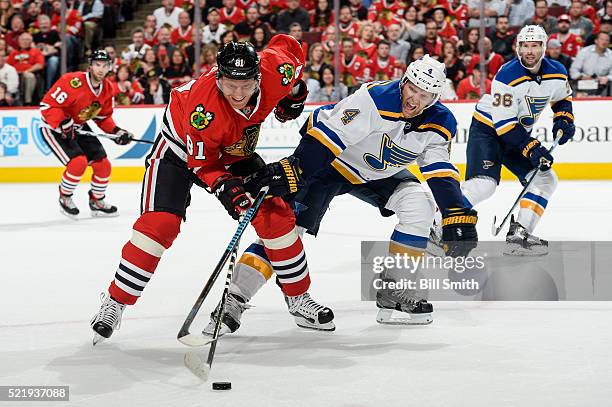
pixel 496 229
pixel 184 336
pixel 192 360
pixel 112 136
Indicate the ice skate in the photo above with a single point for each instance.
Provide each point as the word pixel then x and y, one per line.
pixel 402 307
pixel 67 207
pixel 310 314
pixel 107 319
pixel 519 242
pixel 100 208
pixel 234 307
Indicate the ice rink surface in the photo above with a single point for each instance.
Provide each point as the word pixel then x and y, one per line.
pixel 474 354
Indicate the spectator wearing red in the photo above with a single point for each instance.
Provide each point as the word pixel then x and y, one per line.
pixel 570 43
pixel 365 46
pixel 383 66
pixel 182 35
pixel 458 11
pixel 386 11
pixel 353 68
pixel 433 42
pixel 163 47
pixel 244 29
pixel 347 25
pixel 542 18
pixel 328 41
pixel 455 70
pixel 469 88
pixel 17 27
pixel 446 31
pixel 116 60
pixel 503 39
pixel 245 4
pixel 28 61
pixel 149 30
pixel 321 16
pixel 493 61
pixel 230 14
pixel 208 58
pixel 295 31
pixel 358 11
pixel 125 90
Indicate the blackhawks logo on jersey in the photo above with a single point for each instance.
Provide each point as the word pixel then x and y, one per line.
pixel 76 83
pixel 246 145
pixel 90 111
pixel 287 71
pixel 200 118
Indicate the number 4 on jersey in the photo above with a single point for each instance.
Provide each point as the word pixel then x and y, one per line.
pixel 199 146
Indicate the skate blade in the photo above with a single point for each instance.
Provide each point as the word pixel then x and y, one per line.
pixel 98 339
pixel 196 365
pixel 209 331
pixel 69 215
pixel 304 323
pixel 393 317
pixel 195 340
pixel 99 214
pixel 517 250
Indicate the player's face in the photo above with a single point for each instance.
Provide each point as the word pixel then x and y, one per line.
pixel 414 100
pixel 530 53
pixel 237 93
pixel 99 70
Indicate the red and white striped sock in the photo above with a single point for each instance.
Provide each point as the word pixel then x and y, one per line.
pixel 152 234
pixel 100 178
pixel 288 259
pixel 72 174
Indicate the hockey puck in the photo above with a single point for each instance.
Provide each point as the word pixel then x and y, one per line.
pixel 222 385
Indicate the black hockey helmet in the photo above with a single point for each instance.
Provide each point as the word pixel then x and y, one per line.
pixel 100 55
pixel 238 60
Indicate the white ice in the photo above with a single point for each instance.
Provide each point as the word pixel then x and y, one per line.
pixel 474 354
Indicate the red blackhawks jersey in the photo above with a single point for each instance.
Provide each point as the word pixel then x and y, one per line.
pixel 179 36
pixel 231 17
pixel 388 12
pixel 355 72
pixel 388 70
pixel 73 96
pixel 202 128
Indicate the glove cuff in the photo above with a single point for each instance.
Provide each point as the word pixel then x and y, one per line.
pixel 528 146
pixel 302 91
pixel 567 116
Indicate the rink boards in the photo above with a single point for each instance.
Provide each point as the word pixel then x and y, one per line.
pixel 25 157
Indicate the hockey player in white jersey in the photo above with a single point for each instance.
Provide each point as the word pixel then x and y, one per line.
pixel 500 134
pixel 362 146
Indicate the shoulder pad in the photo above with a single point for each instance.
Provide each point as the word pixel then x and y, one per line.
pixel 440 120
pixel 387 97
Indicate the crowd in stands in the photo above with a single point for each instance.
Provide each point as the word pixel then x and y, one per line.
pixel 378 38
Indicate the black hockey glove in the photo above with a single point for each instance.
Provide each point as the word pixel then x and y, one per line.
pixel 459 231
pixel 67 128
pixel 291 106
pixel 567 128
pixel 123 136
pixel 536 153
pixel 283 177
pixel 230 191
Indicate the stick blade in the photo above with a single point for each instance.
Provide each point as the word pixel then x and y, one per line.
pixel 195 340
pixel 197 365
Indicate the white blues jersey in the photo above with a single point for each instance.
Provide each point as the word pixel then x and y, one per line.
pixel 371 139
pixel 518 97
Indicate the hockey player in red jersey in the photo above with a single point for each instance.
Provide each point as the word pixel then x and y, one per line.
pixel 208 137
pixel 73 100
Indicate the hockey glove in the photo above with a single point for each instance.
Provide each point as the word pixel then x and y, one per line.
pixel 459 231
pixel 230 191
pixel 67 128
pixel 536 153
pixel 567 128
pixel 291 107
pixel 123 136
pixel 283 177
